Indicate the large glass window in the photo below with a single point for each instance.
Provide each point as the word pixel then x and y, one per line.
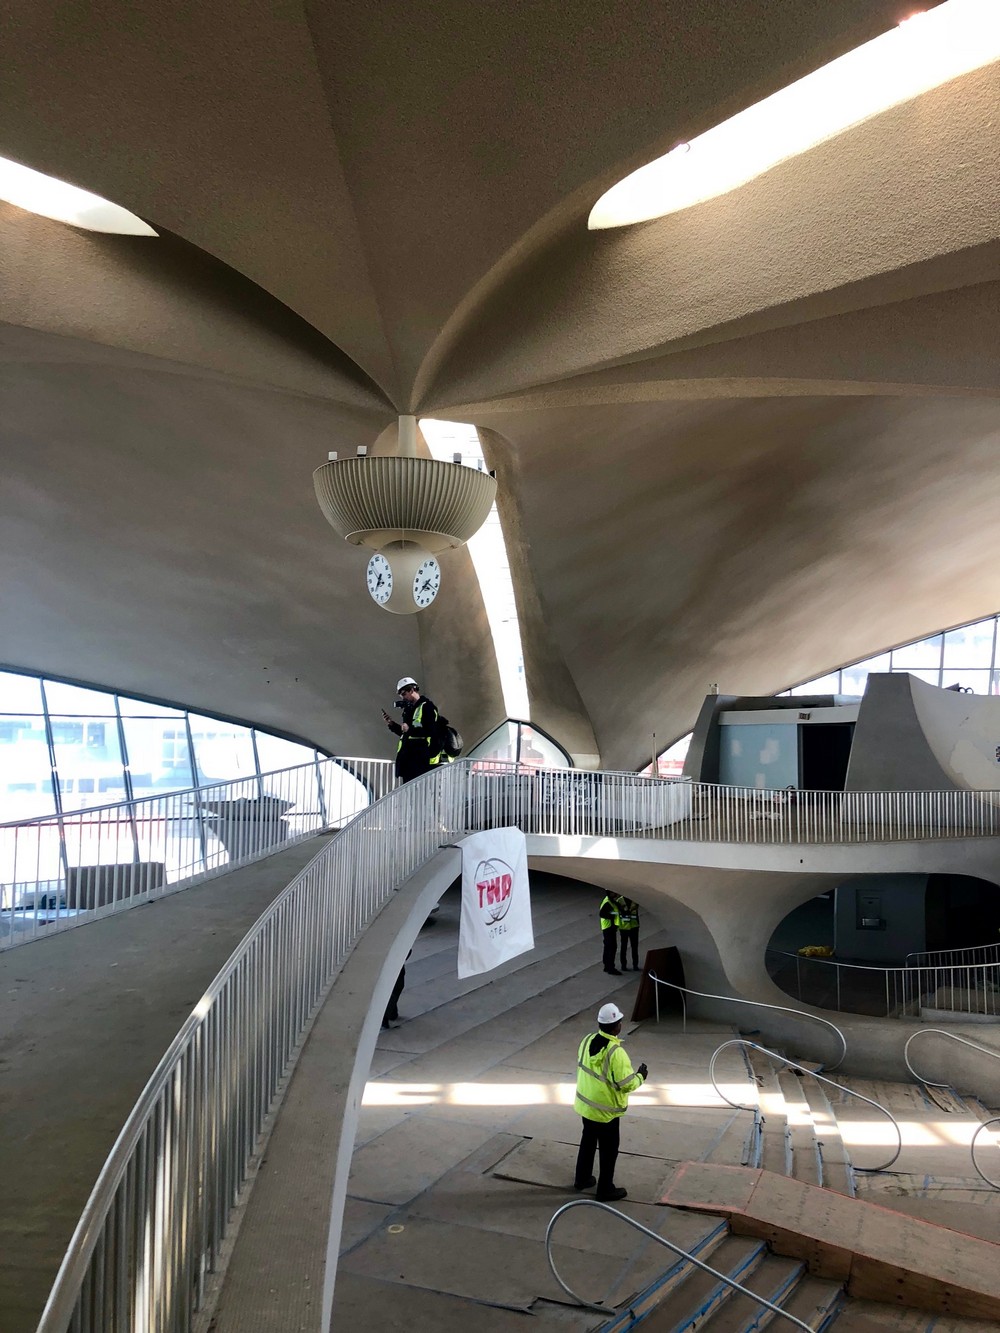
pixel 67 747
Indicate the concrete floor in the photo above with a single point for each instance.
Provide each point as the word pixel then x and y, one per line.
pixel 84 1019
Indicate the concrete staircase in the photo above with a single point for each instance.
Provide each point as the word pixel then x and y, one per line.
pixel 810 1132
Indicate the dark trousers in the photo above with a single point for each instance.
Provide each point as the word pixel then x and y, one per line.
pixel 391 1011
pixel 632 936
pixel 610 942
pixel 602 1137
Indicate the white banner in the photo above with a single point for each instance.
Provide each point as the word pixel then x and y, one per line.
pixel 496 900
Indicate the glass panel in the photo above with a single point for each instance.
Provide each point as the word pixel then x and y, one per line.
pixel 976 681
pixel 19 694
pixel 345 794
pixel 139 708
pixel 539 751
pixel 88 760
pixel 498 746
pixel 829 684
pixel 25 774
pixel 275 752
pixel 158 756
pixel 971 646
pixel 222 750
pixel 853 680
pixel 925 653
pixel 670 764
pixel 880 662
pixel 931 677
pixel 75 699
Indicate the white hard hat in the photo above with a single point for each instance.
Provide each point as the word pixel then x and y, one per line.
pixel 609 1013
pixel 402 684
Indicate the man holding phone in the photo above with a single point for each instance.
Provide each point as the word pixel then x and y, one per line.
pixel 420 747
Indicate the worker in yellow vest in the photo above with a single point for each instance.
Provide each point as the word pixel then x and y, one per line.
pixel 604 1079
pixel 628 932
pixel 608 913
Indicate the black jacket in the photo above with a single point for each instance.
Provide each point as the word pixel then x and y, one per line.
pixel 420 747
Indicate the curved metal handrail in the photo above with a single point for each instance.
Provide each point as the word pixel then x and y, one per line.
pixel 759 1004
pixel 952 1036
pixel 793 1064
pixel 661 1240
pixel 995 1184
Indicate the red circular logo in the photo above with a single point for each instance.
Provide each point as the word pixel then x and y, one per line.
pixel 494 884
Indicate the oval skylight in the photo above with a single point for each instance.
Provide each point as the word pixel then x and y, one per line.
pixel 924 52
pixel 51 198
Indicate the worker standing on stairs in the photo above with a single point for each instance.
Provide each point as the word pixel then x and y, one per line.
pixel 604 1080
pixel 628 929
pixel 608 913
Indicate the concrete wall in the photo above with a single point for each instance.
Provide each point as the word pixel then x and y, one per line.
pixel 962 732
pixel 898 901
pixel 890 750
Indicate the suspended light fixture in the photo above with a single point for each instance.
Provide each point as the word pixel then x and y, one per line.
pixel 407 509
pixel 923 52
pixel 51 198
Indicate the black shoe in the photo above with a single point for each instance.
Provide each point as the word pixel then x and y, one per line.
pixel 612 972
pixel 620 1192
pixel 587 1184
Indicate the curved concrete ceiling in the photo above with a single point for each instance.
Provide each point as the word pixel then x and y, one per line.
pixel 742 444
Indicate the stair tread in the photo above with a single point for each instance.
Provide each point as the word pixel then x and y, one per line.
pixel 812 1300
pixel 774 1278
pixel 689 1301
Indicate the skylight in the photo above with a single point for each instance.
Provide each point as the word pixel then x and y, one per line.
pixel 445 439
pixel 51 198
pixel 922 53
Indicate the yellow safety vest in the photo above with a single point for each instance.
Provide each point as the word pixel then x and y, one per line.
pixel 628 919
pixel 604 1080
pixel 611 924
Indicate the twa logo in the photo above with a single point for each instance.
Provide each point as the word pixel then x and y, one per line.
pixel 494 884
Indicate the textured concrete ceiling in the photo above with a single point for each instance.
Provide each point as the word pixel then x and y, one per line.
pixel 740 444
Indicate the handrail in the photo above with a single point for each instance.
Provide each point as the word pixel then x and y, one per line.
pixel 972 1149
pixel 759 1004
pixel 667 1244
pixel 952 1036
pixel 874 967
pixel 950 953
pixel 793 1064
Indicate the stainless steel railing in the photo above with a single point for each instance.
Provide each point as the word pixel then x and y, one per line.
pixel 155 1222
pixel 983 1050
pixel 757 1004
pixel 994 1184
pixel 892 992
pixel 804 1069
pixel 971 953
pixel 660 1240
pixel 62 870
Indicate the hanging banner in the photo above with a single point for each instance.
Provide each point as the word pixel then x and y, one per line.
pixel 496 901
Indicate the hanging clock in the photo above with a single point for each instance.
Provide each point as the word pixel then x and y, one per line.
pixel 426 582
pixel 380 578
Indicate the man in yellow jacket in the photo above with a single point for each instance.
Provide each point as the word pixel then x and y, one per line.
pixel 604 1079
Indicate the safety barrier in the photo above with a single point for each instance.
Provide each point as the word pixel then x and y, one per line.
pixel 804 1069
pixel 983 1050
pixel 660 1240
pixel 757 1004
pixel 890 992
pixel 63 870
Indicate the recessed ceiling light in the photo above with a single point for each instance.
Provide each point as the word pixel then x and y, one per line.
pixel 924 51
pixel 51 198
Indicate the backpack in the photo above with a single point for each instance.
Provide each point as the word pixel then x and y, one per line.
pixel 450 738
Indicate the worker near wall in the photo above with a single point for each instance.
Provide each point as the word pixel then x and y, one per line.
pixel 604 1080
pixel 628 931
pixel 420 744
pixel 608 913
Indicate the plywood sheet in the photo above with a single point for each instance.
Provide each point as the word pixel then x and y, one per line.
pixel 881 1254
pixel 544 1162
pixel 406 1159
pixel 361 1218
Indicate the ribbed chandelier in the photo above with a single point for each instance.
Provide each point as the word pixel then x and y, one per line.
pixel 407 509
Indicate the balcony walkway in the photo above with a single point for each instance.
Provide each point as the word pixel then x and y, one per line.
pixel 84 1019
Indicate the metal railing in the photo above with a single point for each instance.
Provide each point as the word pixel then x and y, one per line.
pixel 890 992
pixel 757 1004
pixel 971 953
pixel 962 1041
pixel 61 870
pixel 679 1250
pixel 804 1069
pixel 155 1222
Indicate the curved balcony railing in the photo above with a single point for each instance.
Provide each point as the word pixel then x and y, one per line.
pixel 804 1069
pixel 970 953
pixel 757 1004
pixel 63 870
pixel 679 1250
pixel 890 992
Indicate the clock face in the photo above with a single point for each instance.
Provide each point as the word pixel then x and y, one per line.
pixel 380 578
pixel 426 582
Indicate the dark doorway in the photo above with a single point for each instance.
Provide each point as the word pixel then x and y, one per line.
pixel 824 750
